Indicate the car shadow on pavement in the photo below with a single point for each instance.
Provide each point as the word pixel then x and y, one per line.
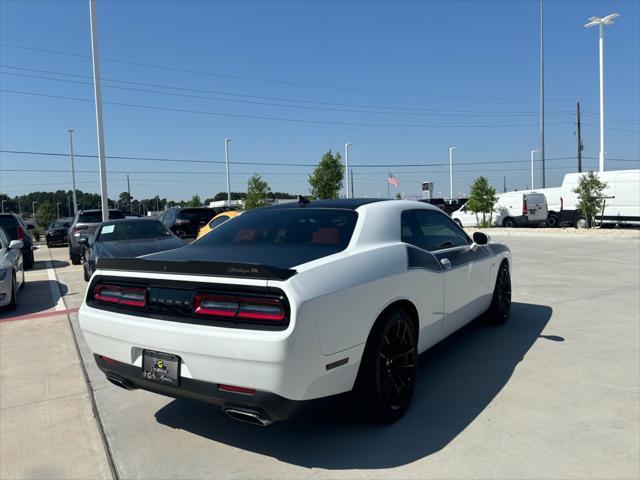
pixel 457 380
pixel 36 297
pixel 44 265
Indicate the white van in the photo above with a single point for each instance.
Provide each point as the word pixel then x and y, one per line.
pixel 623 208
pixel 553 195
pixel 512 209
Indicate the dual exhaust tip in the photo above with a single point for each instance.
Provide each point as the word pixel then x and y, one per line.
pixel 240 414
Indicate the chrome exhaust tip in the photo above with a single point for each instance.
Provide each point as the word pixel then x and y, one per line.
pixel 119 382
pixel 247 416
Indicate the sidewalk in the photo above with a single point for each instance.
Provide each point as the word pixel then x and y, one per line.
pixel 47 428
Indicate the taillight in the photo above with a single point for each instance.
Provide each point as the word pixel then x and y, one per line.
pixel 121 295
pixel 80 228
pixel 234 389
pixel 244 308
pixel 525 208
pixel 20 234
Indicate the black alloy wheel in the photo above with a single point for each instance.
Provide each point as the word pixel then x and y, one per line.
pixel 500 308
pixel 388 371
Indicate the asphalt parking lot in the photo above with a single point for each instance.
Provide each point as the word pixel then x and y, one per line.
pixel 554 393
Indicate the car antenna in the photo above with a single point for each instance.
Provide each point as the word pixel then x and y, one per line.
pixel 302 200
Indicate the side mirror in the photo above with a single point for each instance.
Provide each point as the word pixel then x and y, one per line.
pixel 481 239
pixel 16 245
pixel 83 240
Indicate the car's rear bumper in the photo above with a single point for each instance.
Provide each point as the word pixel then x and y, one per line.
pixel 268 406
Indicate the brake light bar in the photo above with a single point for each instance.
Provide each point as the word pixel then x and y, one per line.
pixel 244 308
pixel 235 389
pixel 525 207
pixel 121 295
pixel 20 235
pixel 79 228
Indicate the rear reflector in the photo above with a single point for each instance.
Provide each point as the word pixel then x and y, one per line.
pixel 525 207
pixel 121 295
pixel 246 308
pixel 234 389
pixel 108 360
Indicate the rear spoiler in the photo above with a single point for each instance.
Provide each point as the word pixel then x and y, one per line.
pixel 197 267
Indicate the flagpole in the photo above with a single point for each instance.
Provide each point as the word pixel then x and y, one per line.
pixel 388 193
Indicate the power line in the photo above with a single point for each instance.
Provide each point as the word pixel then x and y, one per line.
pixel 265 80
pixel 278 119
pixel 216 92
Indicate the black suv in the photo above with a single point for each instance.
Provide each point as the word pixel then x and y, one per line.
pixel 186 222
pixel 16 229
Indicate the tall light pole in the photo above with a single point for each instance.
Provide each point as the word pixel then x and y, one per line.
pixel 58 210
pixel 73 172
pixel 33 208
pixel 542 91
pixel 3 205
pixel 532 152
pixel 451 149
pixel 97 89
pixel 346 168
pixel 602 22
pixel 226 162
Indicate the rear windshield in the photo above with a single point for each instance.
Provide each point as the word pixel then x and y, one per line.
pixel 325 230
pixel 132 230
pixel 10 224
pixel 59 225
pixel 96 217
pixel 198 215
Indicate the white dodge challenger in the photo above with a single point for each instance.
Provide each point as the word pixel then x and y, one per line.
pixel 290 304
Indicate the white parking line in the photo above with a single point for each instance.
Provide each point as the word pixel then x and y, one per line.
pixel 55 289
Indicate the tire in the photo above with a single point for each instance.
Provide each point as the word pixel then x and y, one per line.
pixel 74 257
pixel 508 222
pixel 28 260
pixel 581 222
pixel 383 389
pixel 500 307
pixel 85 270
pixel 553 221
pixel 13 302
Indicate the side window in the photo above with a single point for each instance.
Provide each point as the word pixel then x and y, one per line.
pixel 4 241
pixel 439 231
pixel 411 232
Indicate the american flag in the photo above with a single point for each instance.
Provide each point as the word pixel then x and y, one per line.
pixel 393 180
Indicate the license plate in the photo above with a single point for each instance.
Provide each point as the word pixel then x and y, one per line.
pixel 161 367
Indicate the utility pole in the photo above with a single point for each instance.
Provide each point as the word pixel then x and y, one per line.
pixel 451 149
pixel 346 168
pixel 351 185
pixel 97 89
pixel 73 173
pixel 129 192
pixel 504 184
pixel 19 210
pixel 226 162
pixel 69 205
pixel 542 89
pixel 580 146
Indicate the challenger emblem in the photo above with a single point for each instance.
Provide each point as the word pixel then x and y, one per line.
pixel 243 271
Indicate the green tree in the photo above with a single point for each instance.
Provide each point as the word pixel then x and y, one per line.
pixel 45 214
pixel 482 198
pixel 257 192
pixel 590 190
pixel 326 179
pixel 195 201
pixel 124 200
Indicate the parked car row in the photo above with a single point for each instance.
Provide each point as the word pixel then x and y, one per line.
pixel 16 229
pixel 11 269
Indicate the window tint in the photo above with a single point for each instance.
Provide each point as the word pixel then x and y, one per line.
pixel 199 215
pixel 328 230
pixel 96 217
pixel 144 229
pixel 10 225
pixel 431 230
pixel 218 221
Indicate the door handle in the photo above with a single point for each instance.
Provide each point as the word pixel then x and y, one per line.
pixel 446 263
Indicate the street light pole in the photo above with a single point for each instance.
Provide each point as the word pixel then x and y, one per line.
pixel 33 208
pixel 601 22
pixel 3 205
pixel 346 168
pixel 97 89
pixel 73 173
pixel 451 171
pixel 532 152
pixel 58 210
pixel 226 161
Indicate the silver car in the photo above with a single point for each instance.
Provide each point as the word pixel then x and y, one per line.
pixel 11 270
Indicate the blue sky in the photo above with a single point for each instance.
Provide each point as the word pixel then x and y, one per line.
pixel 401 81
